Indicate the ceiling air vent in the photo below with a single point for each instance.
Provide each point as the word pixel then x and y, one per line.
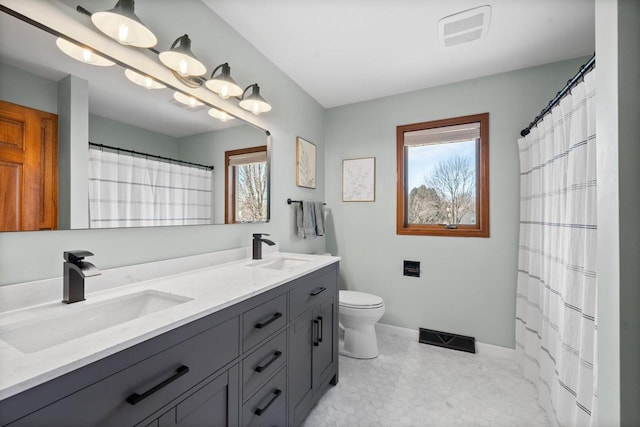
pixel 464 27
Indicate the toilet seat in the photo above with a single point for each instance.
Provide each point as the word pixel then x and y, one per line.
pixel 360 300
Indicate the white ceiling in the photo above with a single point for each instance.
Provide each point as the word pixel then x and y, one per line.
pixel 346 51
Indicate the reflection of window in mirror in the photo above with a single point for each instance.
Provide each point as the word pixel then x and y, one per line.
pixel 246 185
pixel 443 177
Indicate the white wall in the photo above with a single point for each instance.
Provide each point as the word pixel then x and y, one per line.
pixel 467 285
pixel 34 255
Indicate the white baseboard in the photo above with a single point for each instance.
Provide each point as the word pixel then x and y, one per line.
pixel 483 349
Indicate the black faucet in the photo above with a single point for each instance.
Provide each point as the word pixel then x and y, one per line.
pixel 257 244
pixel 74 272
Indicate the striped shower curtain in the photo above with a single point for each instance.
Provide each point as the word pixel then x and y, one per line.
pixel 126 190
pixel 556 328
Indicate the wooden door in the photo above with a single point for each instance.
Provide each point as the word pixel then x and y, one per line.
pixel 28 168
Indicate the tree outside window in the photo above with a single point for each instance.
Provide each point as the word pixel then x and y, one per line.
pixel 246 187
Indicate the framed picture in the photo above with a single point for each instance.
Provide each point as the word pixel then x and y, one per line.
pixel 359 180
pixel 305 163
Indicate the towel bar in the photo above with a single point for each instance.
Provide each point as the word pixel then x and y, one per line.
pixel 289 201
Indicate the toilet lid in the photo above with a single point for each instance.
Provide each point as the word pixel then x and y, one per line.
pixel 360 300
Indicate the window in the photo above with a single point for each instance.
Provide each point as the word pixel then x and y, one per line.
pixel 443 177
pixel 246 198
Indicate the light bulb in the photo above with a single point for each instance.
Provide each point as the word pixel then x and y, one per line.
pixel 148 83
pixel 224 92
pixel 255 108
pixel 86 55
pixel 183 68
pixel 224 116
pixel 123 33
pixel 192 102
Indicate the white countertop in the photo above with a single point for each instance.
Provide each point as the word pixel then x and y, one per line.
pixel 211 289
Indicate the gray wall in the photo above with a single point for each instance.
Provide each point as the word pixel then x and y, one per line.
pixel 467 285
pixel 294 113
pixel 110 132
pixel 209 149
pixel 618 133
pixel 26 89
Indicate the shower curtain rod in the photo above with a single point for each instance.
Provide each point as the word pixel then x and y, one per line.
pixel 153 156
pixel 570 84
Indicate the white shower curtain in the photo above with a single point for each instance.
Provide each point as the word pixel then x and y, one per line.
pixel 131 191
pixel 556 328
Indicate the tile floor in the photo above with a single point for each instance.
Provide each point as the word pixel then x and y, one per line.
pixel 412 384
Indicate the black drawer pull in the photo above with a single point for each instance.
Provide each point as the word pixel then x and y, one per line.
pixel 260 411
pixel 275 357
pixel 137 398
pixel 320 329
pixel 275 317
pixel 316 335
pixel 317 291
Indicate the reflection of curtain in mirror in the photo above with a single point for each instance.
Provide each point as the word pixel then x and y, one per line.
pixel 131 191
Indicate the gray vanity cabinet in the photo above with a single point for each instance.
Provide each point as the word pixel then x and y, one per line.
pixel 214 404
pixel 262 362
pixel 313 342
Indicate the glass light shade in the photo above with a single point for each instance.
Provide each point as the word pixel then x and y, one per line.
pixel 122 25
pixel 220 115
pixel 82 54
pixel 254 102
pixel 181 60
pixel 186 100
pixel 223 84
pixel 142 80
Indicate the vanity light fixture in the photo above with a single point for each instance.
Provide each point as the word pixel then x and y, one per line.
pixel 124 26
pixel 181 60
pixel 223 84
pixel 187 100
pixel 82 53
pixel 142 80
pixel 254 102
pixel 223 116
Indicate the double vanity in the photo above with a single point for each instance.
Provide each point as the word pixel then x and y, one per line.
pixel 218 339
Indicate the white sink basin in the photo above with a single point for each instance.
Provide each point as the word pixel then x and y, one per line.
pixel 285 263
pixel 77 320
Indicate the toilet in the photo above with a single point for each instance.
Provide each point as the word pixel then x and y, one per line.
pixel 359 312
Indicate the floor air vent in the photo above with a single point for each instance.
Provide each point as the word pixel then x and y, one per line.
pixel 447 340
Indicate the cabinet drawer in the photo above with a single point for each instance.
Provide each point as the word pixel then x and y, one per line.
pixel 106 402
pixel 262 363
pixel 310 291
pixel 263 320
pixel 268 406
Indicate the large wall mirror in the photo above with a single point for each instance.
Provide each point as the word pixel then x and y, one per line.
pixel 126 155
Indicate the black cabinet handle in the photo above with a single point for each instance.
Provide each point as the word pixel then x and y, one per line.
pixel 136 398
pixel 260 411
pixel 317 291
pixel 320 329
pixel 315 333
pixel 275 317
pixel 275 357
